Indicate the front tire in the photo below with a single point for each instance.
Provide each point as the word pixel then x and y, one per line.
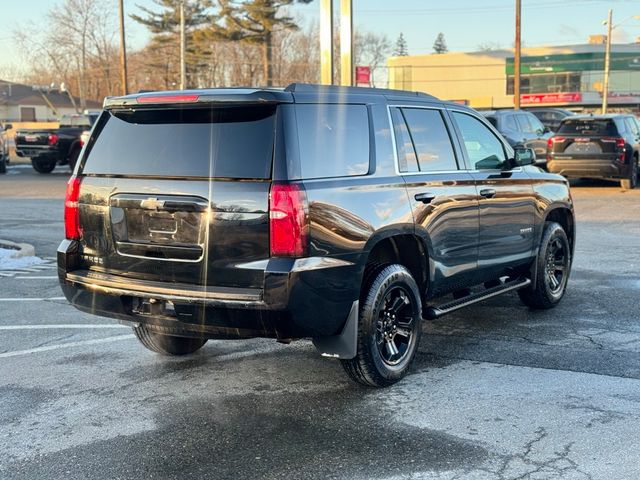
pixel 389 328
pixel 553 266
pixel 167 344
pixel 43 166
pixel 3 164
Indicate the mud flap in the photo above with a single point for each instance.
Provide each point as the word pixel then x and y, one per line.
pixel 343 346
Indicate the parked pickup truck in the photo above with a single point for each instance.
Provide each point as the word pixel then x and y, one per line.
pixel 55 146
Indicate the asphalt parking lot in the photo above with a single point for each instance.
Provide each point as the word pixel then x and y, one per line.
pixel 497 392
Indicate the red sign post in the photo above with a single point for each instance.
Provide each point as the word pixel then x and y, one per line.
pixel 363 76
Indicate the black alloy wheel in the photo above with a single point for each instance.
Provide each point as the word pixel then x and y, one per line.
pixel 389 326
pixel 394 335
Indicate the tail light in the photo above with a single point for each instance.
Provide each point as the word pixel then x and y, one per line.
pixel 72 229
pixel 551 142
pixel 554 140
pixel 620 144
pixel 288 227
pixel 619 141
pixel 52 139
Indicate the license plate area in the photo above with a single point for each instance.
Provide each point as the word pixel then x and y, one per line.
pixel 583 147
pixel 163 227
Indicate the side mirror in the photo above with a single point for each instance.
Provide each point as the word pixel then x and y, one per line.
pixel 8 126
pixel 546 129
pixel 524 156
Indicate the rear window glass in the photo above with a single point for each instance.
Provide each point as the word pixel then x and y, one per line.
pixel 231 142
pixel 334 140
pixel 588 127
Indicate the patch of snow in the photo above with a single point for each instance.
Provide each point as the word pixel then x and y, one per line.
pixel 9 260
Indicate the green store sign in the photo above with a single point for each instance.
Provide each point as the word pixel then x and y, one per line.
pixel 574 62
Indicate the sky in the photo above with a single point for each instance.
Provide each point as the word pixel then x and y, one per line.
pixel 465 23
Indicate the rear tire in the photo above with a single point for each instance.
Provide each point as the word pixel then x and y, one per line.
pixel 73 158
pixel 553 266
pixel 389 328
pixel 631 182
pixel 167 344
pixel 43 166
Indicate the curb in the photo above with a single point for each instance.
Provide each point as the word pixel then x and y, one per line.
pixel 21 249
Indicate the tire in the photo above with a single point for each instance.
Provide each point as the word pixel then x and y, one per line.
pixel 43 166
pixel 553 266
pixel 386 345
pixel 167 344
pixel 3 164
pixel 73 158
pixel 631 182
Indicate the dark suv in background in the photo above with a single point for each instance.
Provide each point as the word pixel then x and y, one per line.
pixel 597 146
pixel 521 129
pixel 551 117
pixel 345 215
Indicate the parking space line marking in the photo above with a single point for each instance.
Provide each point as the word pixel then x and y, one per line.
pixel 60 326
pixel 43 277
pixel 30 299
pixel 96 341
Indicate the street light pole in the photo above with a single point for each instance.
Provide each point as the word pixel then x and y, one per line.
pixel 326 42
pixel 516 60
pixel 607 63
pixel 183 67
pixel 123 52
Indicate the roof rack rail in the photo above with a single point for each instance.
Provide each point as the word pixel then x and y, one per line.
pixel 315 88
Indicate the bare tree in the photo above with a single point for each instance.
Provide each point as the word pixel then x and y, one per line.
pixel 371 49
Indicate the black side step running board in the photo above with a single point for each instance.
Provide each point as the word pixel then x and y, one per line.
pixel 431 313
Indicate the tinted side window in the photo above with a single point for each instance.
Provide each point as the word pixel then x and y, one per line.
pixel 334 140
pixel 431 139
pixel 407 160
pixel 510 123
pixel 184 142
pixel 525 125
pixel 483 148
pixel 535 123
pixel 632 126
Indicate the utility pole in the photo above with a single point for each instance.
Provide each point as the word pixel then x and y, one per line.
pixel 123 53
pixel 607 61
pixel 346 43
pixel 183 68
pixel 326 42
pixel 516 62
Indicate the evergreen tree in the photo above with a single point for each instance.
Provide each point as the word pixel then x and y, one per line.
pixel 165 27
pixel 254 22
pixel 401 49
pixel 440 46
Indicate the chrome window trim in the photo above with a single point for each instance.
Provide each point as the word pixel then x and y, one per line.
pixel 395 146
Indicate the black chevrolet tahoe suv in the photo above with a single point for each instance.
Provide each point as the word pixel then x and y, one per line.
pixel 345 215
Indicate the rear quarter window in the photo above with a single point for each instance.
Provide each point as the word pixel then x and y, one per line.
pixel 228 142
pixel 334 140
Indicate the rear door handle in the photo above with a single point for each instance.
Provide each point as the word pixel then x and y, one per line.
pixel 487 192
pixel 425 197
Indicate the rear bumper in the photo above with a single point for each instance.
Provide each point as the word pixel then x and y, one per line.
pixel 589 168
pixel 301 298
pixel 36 152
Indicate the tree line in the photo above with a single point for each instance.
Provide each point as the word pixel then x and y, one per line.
pixel 229 43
